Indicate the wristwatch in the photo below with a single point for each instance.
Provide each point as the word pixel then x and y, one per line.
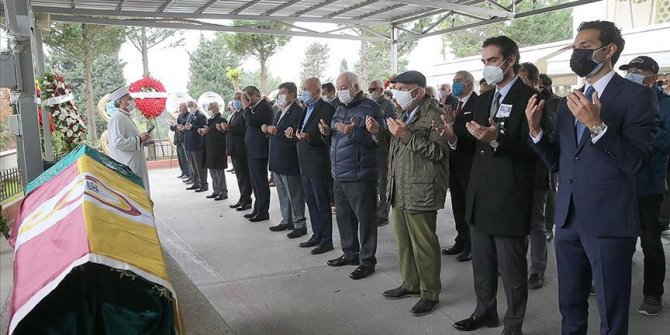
pixel 597 129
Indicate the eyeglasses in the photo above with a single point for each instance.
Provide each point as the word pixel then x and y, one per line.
pixel 636 71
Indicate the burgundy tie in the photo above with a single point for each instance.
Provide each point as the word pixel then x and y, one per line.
pixel 459 108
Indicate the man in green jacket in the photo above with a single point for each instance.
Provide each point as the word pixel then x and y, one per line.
pixel 418 177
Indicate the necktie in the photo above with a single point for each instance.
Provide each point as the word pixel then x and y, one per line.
pixel 580 127
pixel 459 108
pixel 495 104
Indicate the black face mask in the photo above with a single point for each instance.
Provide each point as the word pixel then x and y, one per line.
pixel 582 62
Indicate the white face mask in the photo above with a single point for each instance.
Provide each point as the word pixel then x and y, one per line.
pixel 192 110
pixel 131 105
pixel 375 95
pixel 494 74
pixel 404 98
pixel 281 100
pixel 344 96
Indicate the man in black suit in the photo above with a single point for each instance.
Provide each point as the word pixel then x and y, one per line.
pixel 314 159
pixel 257 112
pixel 215 158
pixel 194 144
pixel 500 191
pixel 460 159
pixel 179 140
pixel 329 94
pixel 376 91
pixel 235 130
pixel 604 135
pixel 284 162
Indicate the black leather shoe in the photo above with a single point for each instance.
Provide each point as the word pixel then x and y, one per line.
pixel 424 307
pixel 244 207
pixel 259 218
pixel 238 204
pixel 202 190
pixel 193 187
pixel 341 261
pixel 212 196
pixel 221 197
pixel 187 181
pixel 295 233
pixel 249 215
pixel 512 332
pixel 280 227
pixel 475 322
pixel 362 272
pixel 454 250
pixel 309 243
pixel 464 257
pixel 535 281
pixel 321 249
pixel 399 293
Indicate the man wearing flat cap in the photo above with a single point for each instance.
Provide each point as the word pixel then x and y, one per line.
pixel 651 185
pixel 418 177
pixel 125 141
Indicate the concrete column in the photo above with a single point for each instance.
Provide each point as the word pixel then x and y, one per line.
pixel 20 23
pixel 38 47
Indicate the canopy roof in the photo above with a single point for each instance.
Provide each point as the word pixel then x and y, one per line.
pixel 197 14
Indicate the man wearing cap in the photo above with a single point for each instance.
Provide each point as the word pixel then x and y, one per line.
pixel 376 91
pixel 125 141
pixel 418 173
pixel 651 185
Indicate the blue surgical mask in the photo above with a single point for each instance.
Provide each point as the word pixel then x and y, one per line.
pixel 237 104
pixel 306 96
pixel 635 77
pixel 457 88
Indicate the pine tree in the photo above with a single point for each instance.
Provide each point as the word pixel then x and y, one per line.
pixel 209 64
pixel 315 62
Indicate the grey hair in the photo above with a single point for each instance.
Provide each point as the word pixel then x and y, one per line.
pixel 469 78
pixel 352 77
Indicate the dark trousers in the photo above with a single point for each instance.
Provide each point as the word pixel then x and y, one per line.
pixel 538 232
pixel 258 169
pixel 664 219
pixel 243 178
pixel 382 204
pixel 551 205
pixel 458 183
pixel 490 253
pixel 652 247
pixel 355 209
pixel 199 176
pixel 317 197
pixel 181 158
pixel 582 259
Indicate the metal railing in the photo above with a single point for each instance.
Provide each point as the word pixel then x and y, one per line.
pixel 10 183
pixel 162 149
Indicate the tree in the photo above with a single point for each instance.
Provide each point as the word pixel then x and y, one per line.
pixel 344 66
pixel 109 76
pixel 258 46
pixel 209 66
pixel 374 60
pixel 254 78
pixel 143 39
pixel 315 62
pixel 84 43
pixel 532 30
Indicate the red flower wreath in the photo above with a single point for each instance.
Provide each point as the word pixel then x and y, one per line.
pixel 388 83
pixel 150 107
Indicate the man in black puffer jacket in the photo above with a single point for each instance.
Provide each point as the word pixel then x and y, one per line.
pixel 353 156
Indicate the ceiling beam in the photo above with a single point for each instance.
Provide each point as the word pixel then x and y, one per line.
pixel 208 26
pixel 280 7
pixel 427 12
pixel 121 4
pixel 349 9
pixel 458 7
pixel 208 16
pixel 313 8
pixel 245 6
pixel 165 5
pixel 438 21
pixel 205 6
pixel 383 10
pixel 496 4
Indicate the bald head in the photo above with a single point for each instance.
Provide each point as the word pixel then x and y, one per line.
pixel 313 86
